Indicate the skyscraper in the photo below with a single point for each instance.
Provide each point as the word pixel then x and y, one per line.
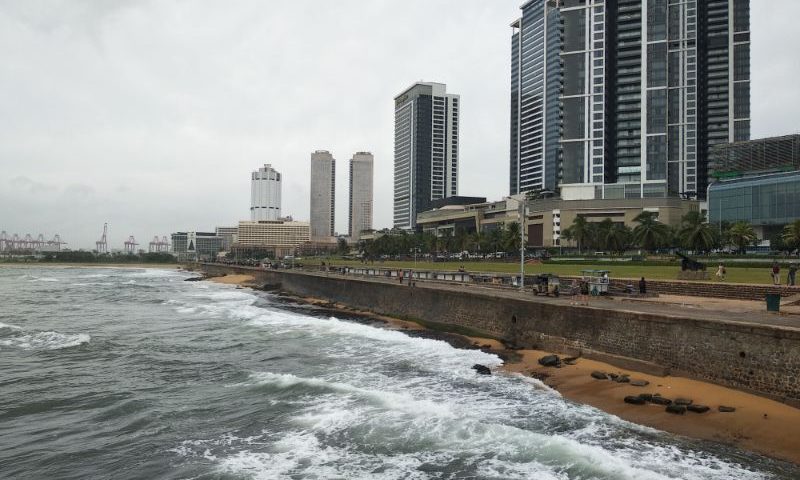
pixel 361 167
pixel 624 98
pixel 265 194
pixel 323 194
pixel 425 149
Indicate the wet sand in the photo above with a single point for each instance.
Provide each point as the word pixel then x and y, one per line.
pixel 242 280
pixel 759 425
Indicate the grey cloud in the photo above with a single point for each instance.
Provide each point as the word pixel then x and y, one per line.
pixel 164 107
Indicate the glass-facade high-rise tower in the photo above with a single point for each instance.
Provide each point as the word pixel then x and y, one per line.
pixel 425 150
pixel 644 89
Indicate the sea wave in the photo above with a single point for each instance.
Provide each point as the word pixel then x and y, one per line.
pixel 42 340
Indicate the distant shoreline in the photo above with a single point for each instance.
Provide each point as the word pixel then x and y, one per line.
pixel 759 425
pixel 169 266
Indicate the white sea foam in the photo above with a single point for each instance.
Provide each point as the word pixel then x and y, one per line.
pixel 12 327
pixel 44 279
pixel 44 340
pixel 395 405
pixel 398 401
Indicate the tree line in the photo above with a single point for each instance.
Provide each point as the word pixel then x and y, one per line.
pixel 649 234
pixel 693 233
pixel 398 242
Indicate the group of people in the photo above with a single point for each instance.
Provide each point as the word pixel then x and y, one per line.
pixel 775 272
pixel 580 289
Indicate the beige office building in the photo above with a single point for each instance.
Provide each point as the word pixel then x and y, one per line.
pixel 281 237
pixel 323 194
pixel 361 174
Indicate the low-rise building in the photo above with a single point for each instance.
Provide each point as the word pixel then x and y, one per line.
pixel 272 238
pixel 469 217
pixel 229 236
pixel 547 218
pixel 196 246
pixel 757 182
pixel 767 202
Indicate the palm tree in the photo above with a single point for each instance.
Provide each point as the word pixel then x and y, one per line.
pixel 695 233
pixel 495 239
pixel 741 234
pixel 618 238
pixel 512 237
pixel 567 236
pixel 650 233
pixel 791 235
pixel 580 231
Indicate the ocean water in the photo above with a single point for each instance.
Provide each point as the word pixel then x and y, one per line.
pixel 136 374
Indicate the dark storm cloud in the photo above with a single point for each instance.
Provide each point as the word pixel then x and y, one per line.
pixel 150 114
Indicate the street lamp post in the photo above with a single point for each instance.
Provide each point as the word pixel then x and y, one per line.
pixel 522 246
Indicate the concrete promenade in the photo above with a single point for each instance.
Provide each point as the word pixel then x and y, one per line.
pixel 694 308
pixel 752 351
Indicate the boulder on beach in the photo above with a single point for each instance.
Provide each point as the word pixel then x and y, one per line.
pixel 724 409
pixel 676 409
pixel 683 401
pixel 550 361
pixel 635 400
pixel 697 408
pixel 482 369
pixel 659 400
pixel 640 383
pixel 194 279
pixel 599 375
pixel 570 360
pixel 623 379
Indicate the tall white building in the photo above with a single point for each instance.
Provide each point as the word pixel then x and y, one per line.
pixel 361 174
pixel 425 149
pixel 323 193
pixel 265 194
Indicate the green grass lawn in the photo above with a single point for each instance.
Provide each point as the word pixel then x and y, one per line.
pixel 735 274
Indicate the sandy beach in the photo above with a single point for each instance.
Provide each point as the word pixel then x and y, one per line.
pixel 759 425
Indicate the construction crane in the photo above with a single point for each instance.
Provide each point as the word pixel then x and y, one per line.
pixel 157 245
pixel 56 242
pixel 130 245
pixel 102 244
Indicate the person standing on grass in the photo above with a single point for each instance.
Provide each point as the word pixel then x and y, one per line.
pixel 721 273
pixel 792 274
pixel 776 273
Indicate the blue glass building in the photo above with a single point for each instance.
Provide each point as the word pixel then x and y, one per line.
pixel 768 202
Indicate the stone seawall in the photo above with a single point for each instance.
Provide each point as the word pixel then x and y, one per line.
pixel 758 358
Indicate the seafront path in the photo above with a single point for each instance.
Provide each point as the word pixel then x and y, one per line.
pixel 722 310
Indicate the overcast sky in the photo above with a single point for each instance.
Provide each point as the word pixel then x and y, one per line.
pixel 151 114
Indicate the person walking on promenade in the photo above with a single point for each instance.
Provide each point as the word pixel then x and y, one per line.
pixel 792 274
pixel 776 273
pixel 584 292
pixel 642 287
pixel 721 272
pixel 574 289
